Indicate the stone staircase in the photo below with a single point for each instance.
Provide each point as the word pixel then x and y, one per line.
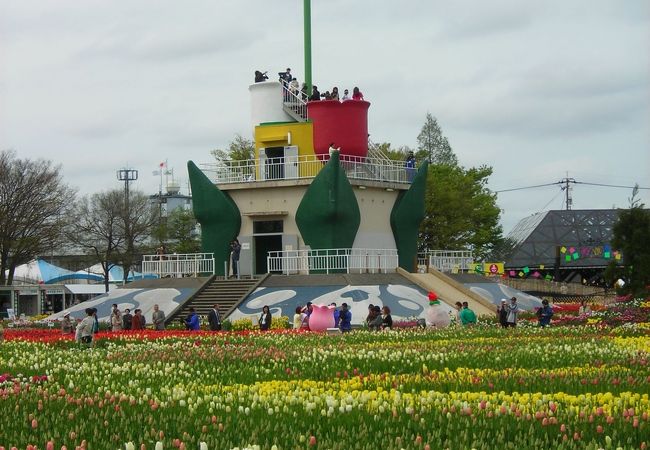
pixel 226 293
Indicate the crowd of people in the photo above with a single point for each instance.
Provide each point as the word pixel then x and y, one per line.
pixel 378 318
pixel 342 317
pixel 89 325
pixel 294 87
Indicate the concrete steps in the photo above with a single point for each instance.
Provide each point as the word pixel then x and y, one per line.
pixel 225 293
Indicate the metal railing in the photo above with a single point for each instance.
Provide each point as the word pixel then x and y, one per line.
pixel 447 260
pixel 178 265
pixel 293 100
pixel 304 166
pixel 337 260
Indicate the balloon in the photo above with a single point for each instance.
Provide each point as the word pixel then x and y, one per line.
pixel 437 316
pixel 433 296
pixel 321 317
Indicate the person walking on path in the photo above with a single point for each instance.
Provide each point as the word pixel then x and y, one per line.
pixel 513 312
pixel 214 318
pixel 158 318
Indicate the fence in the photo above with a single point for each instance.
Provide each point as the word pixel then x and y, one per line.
pixel 179 265
pixel 447 260
pixel 305 166
pixel 338 260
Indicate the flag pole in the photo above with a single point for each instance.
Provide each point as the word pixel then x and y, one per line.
pixel 307 34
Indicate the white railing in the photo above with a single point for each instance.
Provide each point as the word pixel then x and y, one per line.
pixel 178 265
pixel 447 260
pixel 292 99
pixel 337 260
pixel 304 166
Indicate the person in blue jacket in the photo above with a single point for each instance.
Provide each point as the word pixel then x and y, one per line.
pixel 192 321
pixel 544 314
pixel 337 315
pixel 345 318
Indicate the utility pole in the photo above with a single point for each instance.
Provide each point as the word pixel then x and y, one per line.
pixel 127 175
pixel 568 201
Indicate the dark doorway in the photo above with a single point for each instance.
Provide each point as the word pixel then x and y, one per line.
pixel 274 163
pixel 263 245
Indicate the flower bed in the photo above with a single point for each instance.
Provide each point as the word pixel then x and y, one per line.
pixel 481 387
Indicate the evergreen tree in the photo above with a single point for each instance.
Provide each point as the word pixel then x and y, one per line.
pixel 632 237
pixel 460 211
pixel 433 146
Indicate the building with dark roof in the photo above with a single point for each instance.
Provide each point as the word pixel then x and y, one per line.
pixel 567 245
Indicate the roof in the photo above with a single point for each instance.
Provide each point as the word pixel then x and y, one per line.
pixel 574 238
pixel 85 288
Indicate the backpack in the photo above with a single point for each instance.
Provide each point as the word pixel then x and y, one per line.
pixel 539 311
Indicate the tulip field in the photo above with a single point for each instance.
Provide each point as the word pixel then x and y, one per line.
pixel 459 388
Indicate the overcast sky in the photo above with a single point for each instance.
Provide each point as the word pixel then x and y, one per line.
pixel 533 89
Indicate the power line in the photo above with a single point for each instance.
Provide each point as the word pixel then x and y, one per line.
pixel 570 180
pixel 611 185
pixel 528 187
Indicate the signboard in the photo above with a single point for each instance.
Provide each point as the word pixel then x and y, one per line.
pixel 245 245
pixel 493 268
pixel 29 292
pixel 11 313
pixel 54 291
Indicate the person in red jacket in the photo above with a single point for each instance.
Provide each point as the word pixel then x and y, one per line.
pixel 137 323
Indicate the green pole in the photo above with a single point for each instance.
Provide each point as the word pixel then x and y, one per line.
pixel 307 12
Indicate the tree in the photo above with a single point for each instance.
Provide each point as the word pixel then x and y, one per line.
pixel 433 146
pixel 97 228
pixel 178 232
pixel 394 154
pixel 239 149
pixel 631 235
pixel 138 218
pixel 461 212
pixel 33 209
pixel 113 230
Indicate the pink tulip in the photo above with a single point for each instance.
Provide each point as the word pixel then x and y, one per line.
pixel 312 439
pixel 599 429
pixel 49 445
pixel 34 423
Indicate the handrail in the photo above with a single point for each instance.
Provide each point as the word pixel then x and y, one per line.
pixel 293 100
pixel 334 260
pixel 178 265
pixel 447 260
pixel 304 166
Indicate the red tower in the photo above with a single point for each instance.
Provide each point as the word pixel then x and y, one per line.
pixel 344 123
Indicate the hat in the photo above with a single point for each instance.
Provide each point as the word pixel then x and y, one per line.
pixel 503 300
pixel 66 314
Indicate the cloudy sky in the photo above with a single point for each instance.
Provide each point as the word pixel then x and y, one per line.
pixel 534 89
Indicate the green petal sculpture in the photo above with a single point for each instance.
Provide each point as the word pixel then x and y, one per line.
pixel 405 219
pixel 328 215
pixel 218 215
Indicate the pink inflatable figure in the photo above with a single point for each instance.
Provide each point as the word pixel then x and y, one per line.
pixel 321 318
